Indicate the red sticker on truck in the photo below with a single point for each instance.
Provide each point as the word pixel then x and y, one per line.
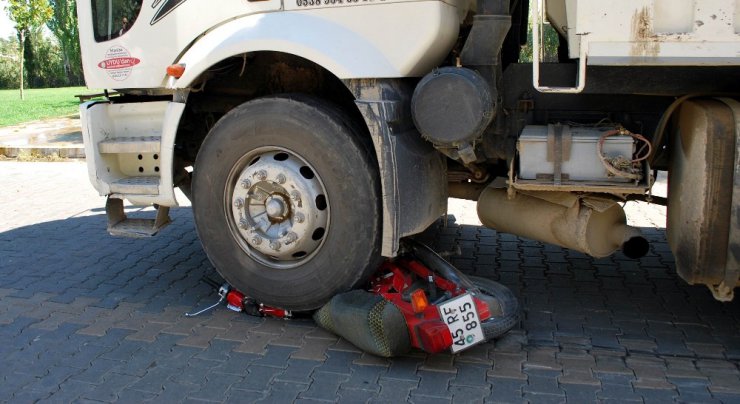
pixel 118 63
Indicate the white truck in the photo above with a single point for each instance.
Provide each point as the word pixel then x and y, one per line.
pixel 312 135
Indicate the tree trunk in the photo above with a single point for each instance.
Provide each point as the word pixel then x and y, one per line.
pixel 23 40
pixel 66 65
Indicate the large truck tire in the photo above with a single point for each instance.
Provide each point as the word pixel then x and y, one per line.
pixel 286 201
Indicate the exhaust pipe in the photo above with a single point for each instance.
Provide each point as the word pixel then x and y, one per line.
pixel 592 225
pixel 634 245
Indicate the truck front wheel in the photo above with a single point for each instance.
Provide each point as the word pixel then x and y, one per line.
pixel 286 201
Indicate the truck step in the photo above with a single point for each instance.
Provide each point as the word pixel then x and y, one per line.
pixel 148 144
pixel 136 186
pixel 120 225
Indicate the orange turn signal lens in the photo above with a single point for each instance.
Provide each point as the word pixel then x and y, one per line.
pixel 419 301
pixel 176 70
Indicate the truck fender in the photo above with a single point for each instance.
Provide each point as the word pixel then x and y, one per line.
pixel 345 52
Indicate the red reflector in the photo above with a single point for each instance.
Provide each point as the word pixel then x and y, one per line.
pixel 434 336
pixel 176 71
pixel 484 312
pixel 235 300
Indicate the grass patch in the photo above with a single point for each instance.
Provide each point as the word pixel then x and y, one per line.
pixel 40 103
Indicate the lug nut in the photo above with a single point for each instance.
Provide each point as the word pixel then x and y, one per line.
pixel 290 238
pixel 275 245
pixel 244 224
pixel 261 175
pixel 246 184
pixel 281 179
pixel 238 203
pixel 257 240
pixel 299 218
pixel 295 196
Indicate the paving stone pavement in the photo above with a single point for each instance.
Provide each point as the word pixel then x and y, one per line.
pixel 88 317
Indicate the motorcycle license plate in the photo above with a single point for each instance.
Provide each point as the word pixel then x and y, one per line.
pixel 461 318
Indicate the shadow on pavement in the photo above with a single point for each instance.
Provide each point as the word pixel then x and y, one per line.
pixel 77 258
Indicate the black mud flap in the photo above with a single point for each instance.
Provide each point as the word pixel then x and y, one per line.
pixel 704 194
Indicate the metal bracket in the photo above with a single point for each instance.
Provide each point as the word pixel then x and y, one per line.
pixel 120 225
pixel 559 143
pixel 114 211
pixel 537 39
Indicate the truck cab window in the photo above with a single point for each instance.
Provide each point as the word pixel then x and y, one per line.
pixel 112 18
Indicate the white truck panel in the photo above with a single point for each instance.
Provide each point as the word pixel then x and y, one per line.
pixel 650 32
pixel 351 39
pixel 350 42
pixel 105 121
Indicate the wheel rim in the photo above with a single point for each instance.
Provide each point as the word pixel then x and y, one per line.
pixel 277 207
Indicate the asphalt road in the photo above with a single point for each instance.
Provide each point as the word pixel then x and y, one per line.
pixel 88 317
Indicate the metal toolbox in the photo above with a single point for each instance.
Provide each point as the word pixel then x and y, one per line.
pixel 558 152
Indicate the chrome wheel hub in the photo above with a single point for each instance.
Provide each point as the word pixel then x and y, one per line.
pixel 278 207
